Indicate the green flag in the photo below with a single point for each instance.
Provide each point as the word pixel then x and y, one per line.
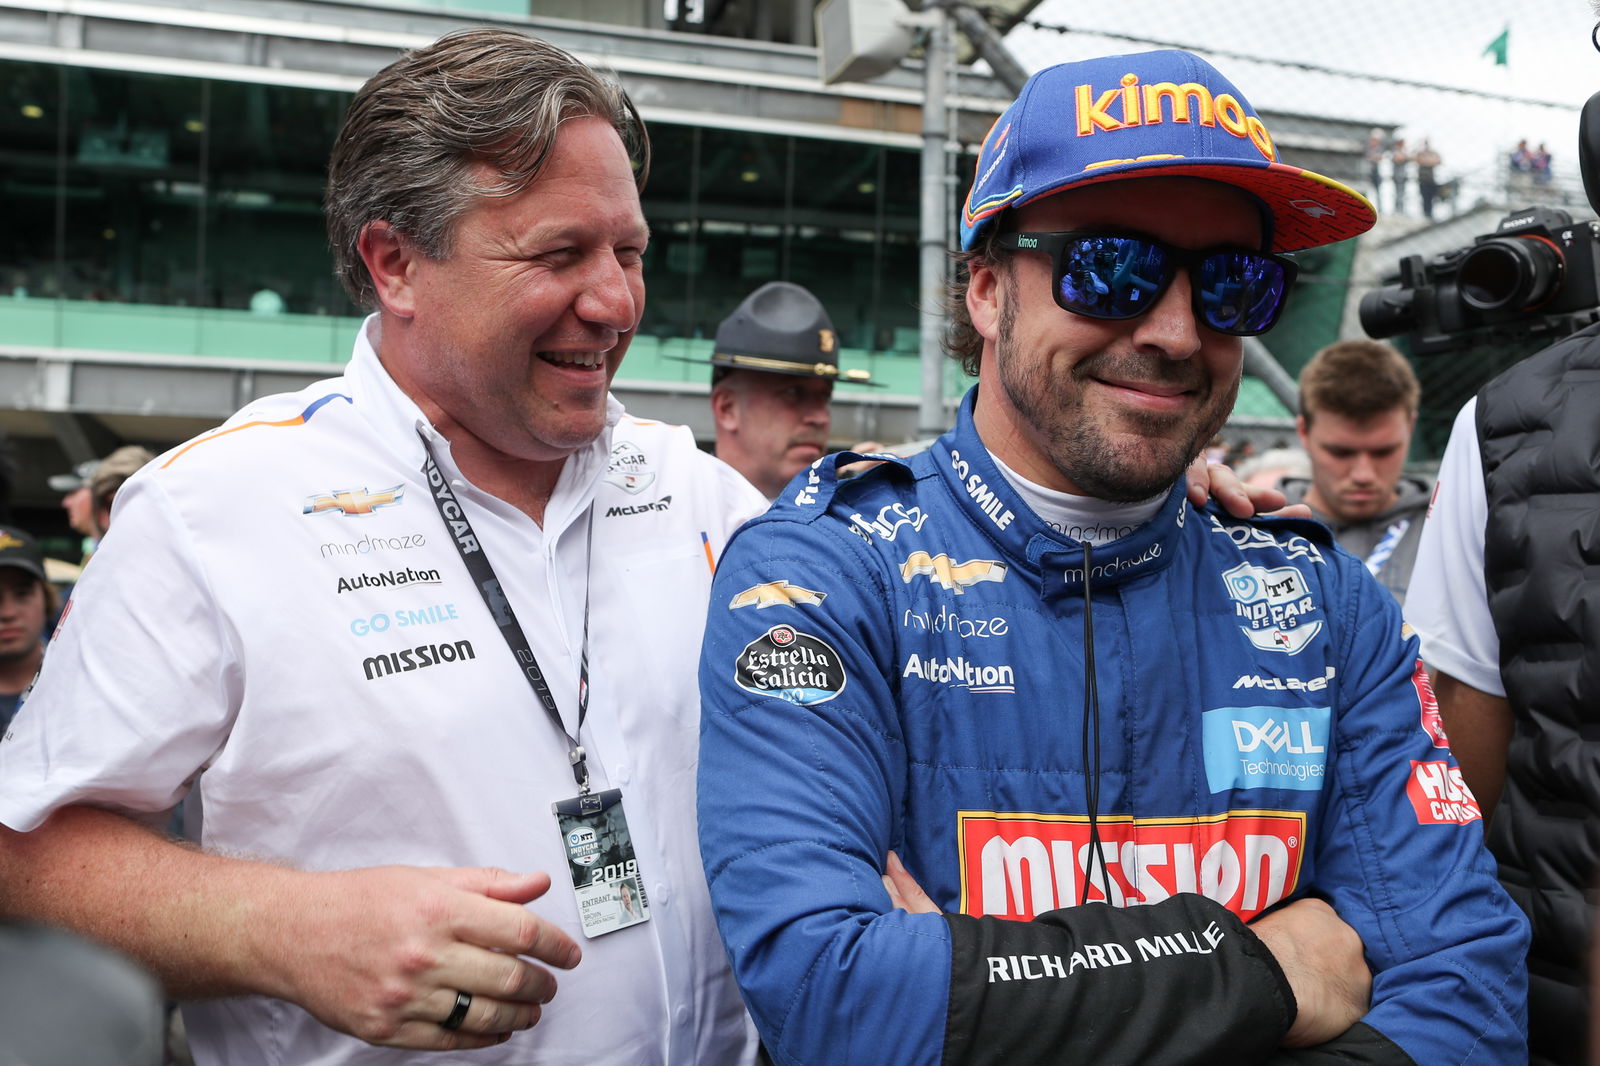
pixel 1497 47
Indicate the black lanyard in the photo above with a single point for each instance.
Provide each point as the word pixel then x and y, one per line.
pixel 483 575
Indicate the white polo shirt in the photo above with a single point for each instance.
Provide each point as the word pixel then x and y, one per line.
pixel 258 616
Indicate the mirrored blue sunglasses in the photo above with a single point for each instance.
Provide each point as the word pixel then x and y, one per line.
pixel 1112 276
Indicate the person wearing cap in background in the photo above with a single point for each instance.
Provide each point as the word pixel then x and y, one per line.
pixel 27 602
pixel 1021 672
pixel 75 500
pixel 107 479
pixel 775 363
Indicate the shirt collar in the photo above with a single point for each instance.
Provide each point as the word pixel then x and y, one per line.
pixel 1000 512
pixel 398 420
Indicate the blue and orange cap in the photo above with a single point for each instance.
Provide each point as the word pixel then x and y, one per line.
pixel 1150 114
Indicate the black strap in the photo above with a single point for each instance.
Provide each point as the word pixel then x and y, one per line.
pixel 483 575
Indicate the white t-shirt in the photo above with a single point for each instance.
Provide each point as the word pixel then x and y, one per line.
pixel 1448 603
pixel 259 614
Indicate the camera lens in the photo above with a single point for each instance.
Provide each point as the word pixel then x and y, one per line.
pixel 1388 312
pixel 1509 274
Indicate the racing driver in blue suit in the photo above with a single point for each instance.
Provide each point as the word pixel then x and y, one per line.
pixel 1012 754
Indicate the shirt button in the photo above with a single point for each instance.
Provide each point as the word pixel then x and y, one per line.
pixel 622 773
pixel 661 894
pixel 682 1014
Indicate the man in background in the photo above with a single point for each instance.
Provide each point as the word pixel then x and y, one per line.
pixel 75 500
pixel 107 479
pixel 775 363
pixel 1358 407
pixel 27 602
pixel 1507 602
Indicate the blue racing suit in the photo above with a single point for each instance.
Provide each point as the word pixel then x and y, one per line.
pixel 898 662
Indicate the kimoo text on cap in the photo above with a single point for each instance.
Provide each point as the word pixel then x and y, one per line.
pixel 1150 114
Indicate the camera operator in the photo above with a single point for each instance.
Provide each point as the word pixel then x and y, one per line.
pixel 1506 598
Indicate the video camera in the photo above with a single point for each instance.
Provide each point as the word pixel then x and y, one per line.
pixel 1536 278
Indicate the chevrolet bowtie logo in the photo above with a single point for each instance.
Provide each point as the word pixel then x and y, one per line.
pixel 8 541
pixel 775 593
pixel 957 577
pixel 353 501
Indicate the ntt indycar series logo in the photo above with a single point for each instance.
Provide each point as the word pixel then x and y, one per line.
pixel 1274 606
pixel 629 468
pixel 790 665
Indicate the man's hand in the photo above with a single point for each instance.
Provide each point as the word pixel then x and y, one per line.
pixel 904 892
pixel 1321 956
pixel 380 953
pixel 1219 482
pixel 856 469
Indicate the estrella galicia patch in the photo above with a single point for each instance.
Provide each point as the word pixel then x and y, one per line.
pixel 790 665
pixel 1273 606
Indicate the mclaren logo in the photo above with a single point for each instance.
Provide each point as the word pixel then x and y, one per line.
pixel 957 577
pixel 353 501
pixel 665 503
pixel 775 594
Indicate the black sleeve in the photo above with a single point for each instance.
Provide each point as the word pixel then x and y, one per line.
pixel 1181 981
pixel 1361 1045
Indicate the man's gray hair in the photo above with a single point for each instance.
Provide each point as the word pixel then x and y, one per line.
pixel 417 129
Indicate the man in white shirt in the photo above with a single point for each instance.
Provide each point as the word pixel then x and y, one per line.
pixel 375 634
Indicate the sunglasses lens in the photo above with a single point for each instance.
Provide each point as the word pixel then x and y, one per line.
pixel 1241 292
pixel 1122 277
pixel 1113 277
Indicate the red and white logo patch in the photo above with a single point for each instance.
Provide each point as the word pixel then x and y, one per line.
pixel 1021 865
pixel 1432 724
pixel 1439 795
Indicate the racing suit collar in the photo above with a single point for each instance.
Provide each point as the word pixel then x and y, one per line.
pixel 995 507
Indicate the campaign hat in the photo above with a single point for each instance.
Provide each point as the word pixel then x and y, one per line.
pixel 781 328
pixel 1156 114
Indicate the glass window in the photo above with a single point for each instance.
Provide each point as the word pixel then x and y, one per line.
pixel 732 210
pixel 30 128
pixel 265 239
pixel 131 184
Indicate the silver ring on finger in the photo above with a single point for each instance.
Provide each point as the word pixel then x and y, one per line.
pixel 458 1013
